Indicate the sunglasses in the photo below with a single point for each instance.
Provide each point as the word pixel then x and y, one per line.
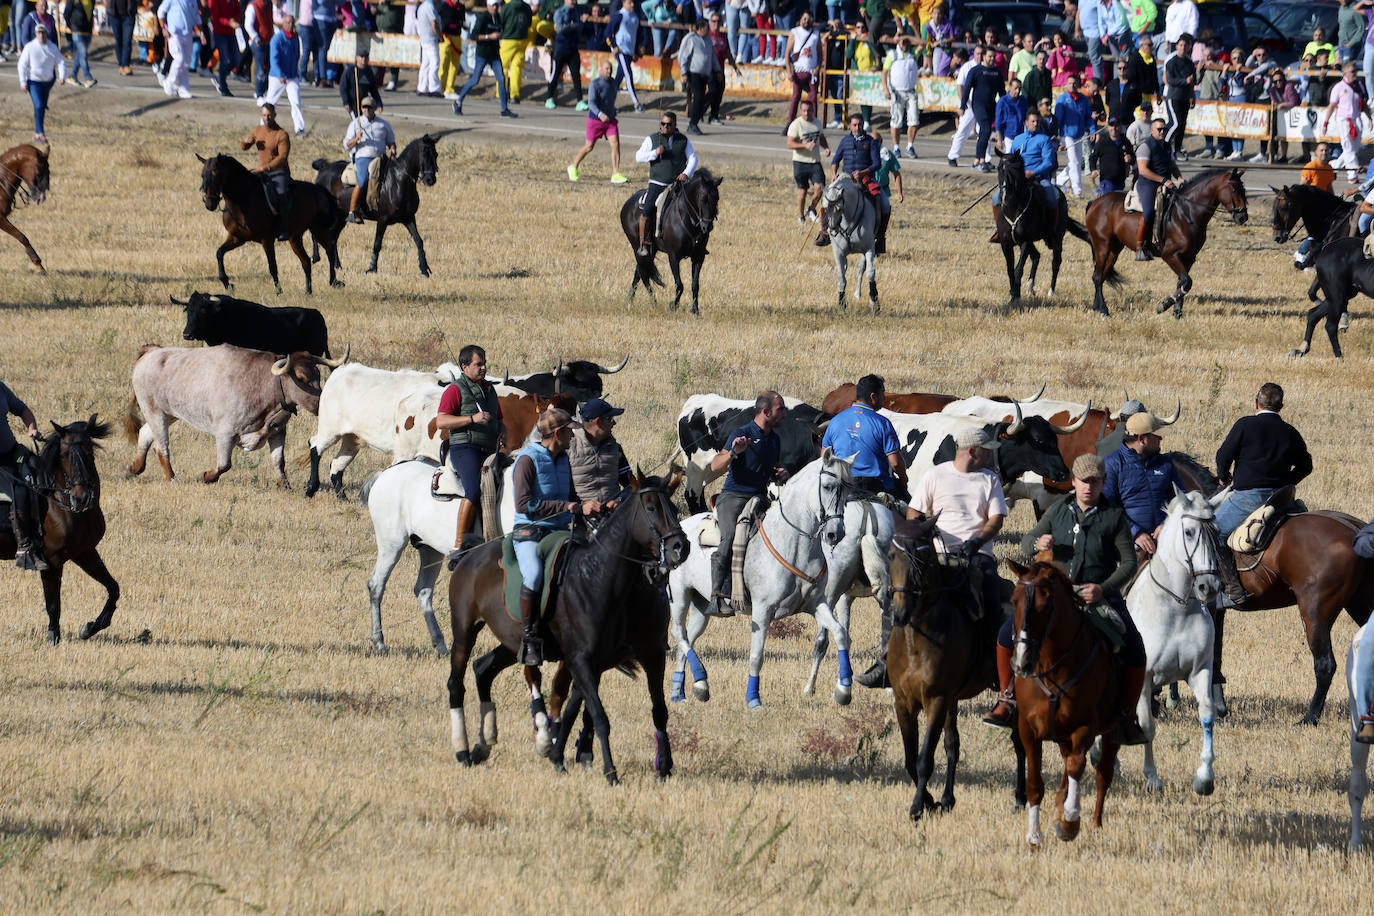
pixel 666 123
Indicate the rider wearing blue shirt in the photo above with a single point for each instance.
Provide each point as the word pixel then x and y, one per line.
pixel 1141 481
pixel 868 437
pixel 1037 154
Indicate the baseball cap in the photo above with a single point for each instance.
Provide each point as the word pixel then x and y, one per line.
pixel 554 419
pixel 597 408
pixel 1132 406
pixel 976 436
pixel 41 27
pixel 1113 122
pixel 368 103
pixel 1141 423
pixel 1089 467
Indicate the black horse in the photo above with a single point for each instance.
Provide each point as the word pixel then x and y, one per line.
pixel 684 228
pixel 73 524
pixel 1325 217
pixel 1024 217
pixel 1343 272
pixel 397 198
pixel 249 218
pixel 598 620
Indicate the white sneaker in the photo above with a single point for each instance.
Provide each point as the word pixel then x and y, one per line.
pixel 184 94
pixel 169 89
pixel 834 125
pixel 1237 156
pixel 1258 157
pixel 911 150
pixel 451 96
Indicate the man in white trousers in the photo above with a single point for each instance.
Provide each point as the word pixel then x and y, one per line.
pixel 1345 105
pixel 967 123
pixel 284 70
pixel 427 27
pixel 179 19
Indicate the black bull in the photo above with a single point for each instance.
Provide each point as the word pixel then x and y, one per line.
pixel 225 320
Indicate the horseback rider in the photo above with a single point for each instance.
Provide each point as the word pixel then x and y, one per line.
pixel 1037 155
pixel 368 138
pixel 1091 540
pixel 471 412
pixel 1261 454
pixel 1155 166
pixel 859 155
pixel 1364 656
pixel 751 453
pixel 274 151
pixel 967 496
pixel 868 437
pixel 600 470
pixel 1141 481
pixel 17 481
pixel 544 502
pixel 672 160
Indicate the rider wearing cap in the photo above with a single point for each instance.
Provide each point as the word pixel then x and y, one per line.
pixel 17 481
pixel 368 138
pixel 1141 481
pixel 600 470
pixel 1090 540
pixel 544 502
pixel 671 159
pixel 868 437
pixel 967 496
pixel 858 156
pixel 1112 441
pixel 751 453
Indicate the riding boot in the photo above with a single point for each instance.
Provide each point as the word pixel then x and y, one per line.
pixel 353 202
pixel 876 675
pixel 880 243
pixel 1366 733
pixel 467 514
pixel 284 220
pixel 1142 247
pixel 28 543
pixel 1233 593
pixel 1003 715
pixel 1132 682
pixel 644 250
pixel 996 229
pixel 531 646
pixel 823 239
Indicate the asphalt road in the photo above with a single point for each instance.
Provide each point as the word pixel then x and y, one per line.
pixel 752 136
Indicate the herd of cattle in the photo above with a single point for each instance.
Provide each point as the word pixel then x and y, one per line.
pixel 263 364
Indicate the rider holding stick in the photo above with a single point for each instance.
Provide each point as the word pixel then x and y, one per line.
pixel 858 155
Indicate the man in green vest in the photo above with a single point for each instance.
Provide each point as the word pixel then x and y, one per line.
pixel 671 158
pixel 471 412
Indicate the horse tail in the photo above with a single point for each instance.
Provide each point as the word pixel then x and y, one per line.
pixel 648 271
pixel 1078 230
pixel 133 420
pixel 366 489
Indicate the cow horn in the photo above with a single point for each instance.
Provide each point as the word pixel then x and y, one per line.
pixel 1178 409
pixel 176 301
pixel 1016 424
pixel 1076 426
pixel 334 363
pixel 604 371
pixel 1115 415
pixel 282 366
pixel 1036 396
pixel 558 377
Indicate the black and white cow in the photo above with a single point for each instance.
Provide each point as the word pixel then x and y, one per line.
pixel 225 320
pixel 579 378
pixel 1030 445
pixel 705 421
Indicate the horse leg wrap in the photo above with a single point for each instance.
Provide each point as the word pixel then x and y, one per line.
pixel 846 672
pixel 489 734
pixel 1071 807
pixel 459 737
pixel 1033 834
pixel 751 693
pixel 679 686
pixel 698 669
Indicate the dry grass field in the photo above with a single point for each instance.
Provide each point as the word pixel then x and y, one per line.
pixel 229 743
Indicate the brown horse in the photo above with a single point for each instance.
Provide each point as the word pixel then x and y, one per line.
pixel 1111 228
pixel 599 619
pixel 25 164
pixel 1311 563
pixel 941 651
pixel 248 217
pixel 1066 692
pixel 72 523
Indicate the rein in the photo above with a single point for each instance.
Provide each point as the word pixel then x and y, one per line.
pixel 810 536
pixel 658 562
pixel 1193 572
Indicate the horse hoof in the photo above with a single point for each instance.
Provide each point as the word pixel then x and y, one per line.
pixel 1101 310
pixel 677 696
pixel 1154 784
pixel 701 690
pixel 1164 306
pixel 754 703
pixel 585 758
pixel 843 694
pixel 370 270
pixel 1308 719
pixel 874 307
pixel 696 312
pixel 612 779
pixel 440 649
pixel 337 284
pixel 91 628
pixel 543 742
pixel 377 647
pixel 1178 311
pixel 1203 785
pixel 915 813
pixel 315 259
pixel 464 758
pixel 54 637
pixel 946 805
pixel 1066 830
pixel 1033 840
pixel 480 752
pixel 558 766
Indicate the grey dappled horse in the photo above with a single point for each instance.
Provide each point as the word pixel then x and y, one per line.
pixel 851 219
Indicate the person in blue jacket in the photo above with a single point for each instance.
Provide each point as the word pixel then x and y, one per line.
pixel 1011 114
pixel 982 88
pixel 1142 481
pixel 1074 112
pixel 284 71
pixel 858 155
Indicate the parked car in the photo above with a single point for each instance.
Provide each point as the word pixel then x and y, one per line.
pixel 1297 18
pixel 1239 27
pixel 1010 17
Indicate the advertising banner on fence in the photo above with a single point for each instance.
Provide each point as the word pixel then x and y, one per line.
pixel 933 93
pixel 756 81
pixel 1304 123
pixel 385 50
pixel 1230 119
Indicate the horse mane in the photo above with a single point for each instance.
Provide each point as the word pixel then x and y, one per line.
pixel 1201 178
pixel 87 432
pixel 700 175
pixel 1206 480
pixel 231 163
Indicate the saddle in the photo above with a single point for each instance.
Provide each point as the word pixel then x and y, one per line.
pixel 1369 245
pixel 1255 533
pixel 552 554
pixel 708 536
pixel 1132 202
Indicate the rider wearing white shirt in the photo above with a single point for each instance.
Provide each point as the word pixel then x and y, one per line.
pixel 368 138
pixel 671 158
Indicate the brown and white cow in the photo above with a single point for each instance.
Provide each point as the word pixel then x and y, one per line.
pixel 417 435
pixel 911 402
pixel 241 397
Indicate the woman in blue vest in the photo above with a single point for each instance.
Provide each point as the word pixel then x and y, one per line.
pixel 544 503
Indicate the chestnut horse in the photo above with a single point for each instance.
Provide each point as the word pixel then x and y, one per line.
pixel 1066 692
pixel 598 621
pixel 1111 228
pixel 72 521
pixel 25 164
pixel 940 652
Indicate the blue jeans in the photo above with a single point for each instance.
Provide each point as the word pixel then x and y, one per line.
pixel 480 64
pixel 326 32
pixel 38 94
pixel 260 69
pixel 662 40
pixel 309 48
pixel 364 166
pixel 734 20
pixel 81 45
pixel 18 10
pixel 1364 681
pixel 1107 186
pixel 467 464
pixel 1238 506
pixel 228 48
pixel 123 28
pixel 531 570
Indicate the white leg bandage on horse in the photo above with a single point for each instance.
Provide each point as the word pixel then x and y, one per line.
pixel 1071 808
pixel 459 737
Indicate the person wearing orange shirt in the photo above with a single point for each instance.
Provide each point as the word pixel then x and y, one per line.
pixel 1318 172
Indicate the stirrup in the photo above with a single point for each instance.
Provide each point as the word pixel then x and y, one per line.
pixel 531 651
pixel 1366 733
pixel 1006 705
pixel 875 677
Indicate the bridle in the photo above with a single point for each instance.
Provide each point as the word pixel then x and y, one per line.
pixel 825 516
pixel 1033 644
pixel 21 190
pixel 660 562
pixel 1003 168
pixel 1208 526
pixel 210 193
pixel 697 222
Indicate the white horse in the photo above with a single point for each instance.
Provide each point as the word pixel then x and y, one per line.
pixel 851 220
pixel 1166 603
pixel 790 577
pixel 1357 683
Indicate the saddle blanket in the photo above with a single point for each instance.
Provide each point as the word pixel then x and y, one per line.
pixel 550 552
pixel 708 536
pixel 1132 203
pixel 1101 619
